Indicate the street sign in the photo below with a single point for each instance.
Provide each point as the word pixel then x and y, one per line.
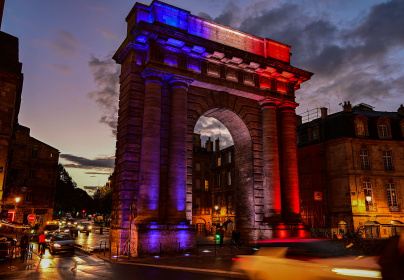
pixel 31 218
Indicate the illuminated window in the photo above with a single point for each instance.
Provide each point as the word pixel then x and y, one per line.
pixel 367 189
pixel 360 128
pixel 229 178
pixel 219 161
pixel 206 185
pixel 229 157
pixel 364 160
pixel 391 195
pixel 384 133
pixel 388 161
pixel 51 154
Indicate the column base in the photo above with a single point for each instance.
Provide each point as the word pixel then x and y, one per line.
pixel 165 238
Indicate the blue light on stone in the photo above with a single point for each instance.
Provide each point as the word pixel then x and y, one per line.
pixel 141 39
pixel 198 49
pixel 175 43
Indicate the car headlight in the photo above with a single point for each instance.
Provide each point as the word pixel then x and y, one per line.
pixel 46 232
pixel 90 227
pixel 358 272
pixel 47 240
pixel 56 245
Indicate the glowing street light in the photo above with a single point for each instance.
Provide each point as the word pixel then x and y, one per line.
pixel 17 199
pixel 368 198
pixel 216 207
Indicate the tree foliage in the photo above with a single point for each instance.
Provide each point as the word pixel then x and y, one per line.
pixel 103 200
pixel 68 196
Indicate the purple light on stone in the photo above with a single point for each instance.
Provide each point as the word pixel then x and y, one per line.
pixel 198 49
pixel 175 43
pixel 186 49
pixel 141 39
pixel 194 67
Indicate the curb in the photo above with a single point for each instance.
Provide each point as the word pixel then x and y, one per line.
pixel 189 269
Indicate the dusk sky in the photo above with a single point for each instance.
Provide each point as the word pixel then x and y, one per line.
pixel 70 92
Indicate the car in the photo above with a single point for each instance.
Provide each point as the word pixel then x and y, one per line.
pixel 48 237
pixel 304 259
pixel 61 242
pixel 51 226
pixel 84 227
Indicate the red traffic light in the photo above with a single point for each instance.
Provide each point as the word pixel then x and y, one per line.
pixel 84 211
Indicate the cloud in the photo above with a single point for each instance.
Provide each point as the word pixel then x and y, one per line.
pixel 357 59
pixel 101 163
pixel 64 44
pixel 91 188
pixel 106 77
pixel 212 128
pixel 60 68
pixel 108 34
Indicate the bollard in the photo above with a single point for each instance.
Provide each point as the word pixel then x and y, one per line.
pixel 197 253
pixel 105 247
pixel 179 248
pixel 117 252
pixel 100 246
pixel 160 248
pixel 215 246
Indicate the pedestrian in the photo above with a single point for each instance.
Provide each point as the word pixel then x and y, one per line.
pixel 221 236
pixel 41 244
pixel 392 258
pixel 24 243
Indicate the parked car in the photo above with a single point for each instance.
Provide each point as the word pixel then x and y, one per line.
pixel 61 242
pixel 306 259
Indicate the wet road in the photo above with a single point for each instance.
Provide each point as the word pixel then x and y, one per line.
pixel 84 266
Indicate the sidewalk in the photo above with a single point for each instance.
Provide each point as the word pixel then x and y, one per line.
pixel 205 260
pixel 17 264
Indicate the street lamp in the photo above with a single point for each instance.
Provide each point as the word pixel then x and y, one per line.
pixel 17 199
pixel 368 198
pixel 216 207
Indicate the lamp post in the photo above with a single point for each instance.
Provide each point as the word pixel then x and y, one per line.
pixel 368 198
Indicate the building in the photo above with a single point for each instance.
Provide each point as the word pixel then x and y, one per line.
pixel 351 171
pixel 213 186
pixel 32 175
pixel 11 80
pixel 28 167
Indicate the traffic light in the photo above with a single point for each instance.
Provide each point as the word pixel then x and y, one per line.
pixel 84 211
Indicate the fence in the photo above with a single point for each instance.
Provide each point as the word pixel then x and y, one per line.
pixel 11 252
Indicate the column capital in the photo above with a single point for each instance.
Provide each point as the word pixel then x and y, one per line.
pixel 270 103
pixel 288 105
pixel 152 75
pixel 179 81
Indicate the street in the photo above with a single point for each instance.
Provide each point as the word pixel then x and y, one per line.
pixel 84 266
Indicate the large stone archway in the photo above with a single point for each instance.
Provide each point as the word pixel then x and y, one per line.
pixel 176 67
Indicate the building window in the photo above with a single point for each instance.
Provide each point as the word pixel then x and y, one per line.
pixel 206 185
pixel 367 189
pixel 229 157
pixel 388 161
pixel 51 154
pixel 391 195
pixel 34 153
pixel 198 185
pixel 219 181
pixel 364 156
pixel 384 133
pixel 28 197
pixel 206 168
pixel 229 178
pixel 360 128
pixel 198 167
pixel 219 161
pixel 32 174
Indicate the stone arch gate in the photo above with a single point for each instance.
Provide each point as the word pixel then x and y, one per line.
pixel 176 67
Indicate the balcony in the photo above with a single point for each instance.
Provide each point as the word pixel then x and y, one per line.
pixel 395 208
pixel 371 207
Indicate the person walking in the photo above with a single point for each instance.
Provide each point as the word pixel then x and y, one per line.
pixel 24 243
pixel 221 236
pixel 392 258
pixel 41 244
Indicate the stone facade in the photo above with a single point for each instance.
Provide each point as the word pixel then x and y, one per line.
pixel 348 158
pixel 176 67
pixel 32 174
pixel 11 80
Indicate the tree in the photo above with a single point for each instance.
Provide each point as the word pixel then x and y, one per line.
pixel 103 200
pixel 68 196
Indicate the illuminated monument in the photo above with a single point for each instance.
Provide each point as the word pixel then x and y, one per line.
pixel 175 68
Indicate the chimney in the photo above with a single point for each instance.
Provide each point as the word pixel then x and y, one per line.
pixel 347 106
pixel 298 120
pixel 324 112
pixel 208 145
pixel 217 145
pixel 400 110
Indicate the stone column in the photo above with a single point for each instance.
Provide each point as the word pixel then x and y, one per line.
pixel 149 185
pixel 177 166
pixel 271 184
pixel 289 171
